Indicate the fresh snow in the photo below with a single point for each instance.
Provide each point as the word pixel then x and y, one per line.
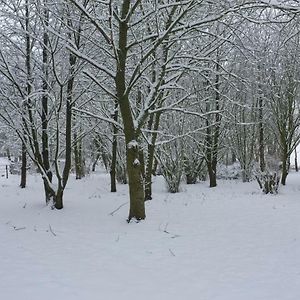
pixel 132 144
pixel 226 243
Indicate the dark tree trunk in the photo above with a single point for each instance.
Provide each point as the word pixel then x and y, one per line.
pixel 135 179
pixel 95 162
pixel 155 166
pixel 79 162
pixel 233 157
pixel 44 114
pixel 211 168
pixel 136 185
pixel 262 163
pixel 296 161
pixel 151 162
pixel 261 141
pixel 8 154
pixel 212 134
pixel 191 179
pixel 58 198
pixel 113 184
pixel 284 170
pixel 23 166
pixel 142 162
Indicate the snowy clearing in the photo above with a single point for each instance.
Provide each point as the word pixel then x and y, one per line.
pixel 231 242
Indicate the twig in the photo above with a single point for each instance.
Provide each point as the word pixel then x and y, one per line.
pixel 165 230
pixel 19 228
pixel 52 230
pixel 112 213
pixel 172 252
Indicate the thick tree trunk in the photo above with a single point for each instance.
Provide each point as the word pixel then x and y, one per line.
pixel 136 184
pixel 211 168
pixel 284 170
pixel 59 198
pixel 135 179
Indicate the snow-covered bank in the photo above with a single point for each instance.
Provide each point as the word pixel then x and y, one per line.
pixel 230 242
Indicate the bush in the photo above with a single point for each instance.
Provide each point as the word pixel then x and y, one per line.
pixel 268 182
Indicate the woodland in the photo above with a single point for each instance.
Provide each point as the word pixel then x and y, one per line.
pixel 183 89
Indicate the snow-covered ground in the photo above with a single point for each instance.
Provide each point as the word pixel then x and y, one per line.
pixel 227 243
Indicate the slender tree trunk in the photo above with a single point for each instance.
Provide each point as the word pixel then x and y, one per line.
pixel 23 166
pixel 44 114
pixel 113 184
pixel 212 134
pixel 77 158
pixel 151 159
pixel 296 161
pixel 155 166
pixel 261 141
pixel 95 162
pixel 8 154
pixel 68 135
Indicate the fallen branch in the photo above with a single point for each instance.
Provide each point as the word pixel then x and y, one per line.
pixel 19 228
pixel 52 230
pixel 112 213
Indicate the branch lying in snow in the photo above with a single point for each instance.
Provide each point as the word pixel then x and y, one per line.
pixel 112 213
pixel 19 228
pixel 171 252
pixel 168 232
pixel 50 229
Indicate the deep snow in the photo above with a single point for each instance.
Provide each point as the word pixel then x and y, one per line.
pixel 226 243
